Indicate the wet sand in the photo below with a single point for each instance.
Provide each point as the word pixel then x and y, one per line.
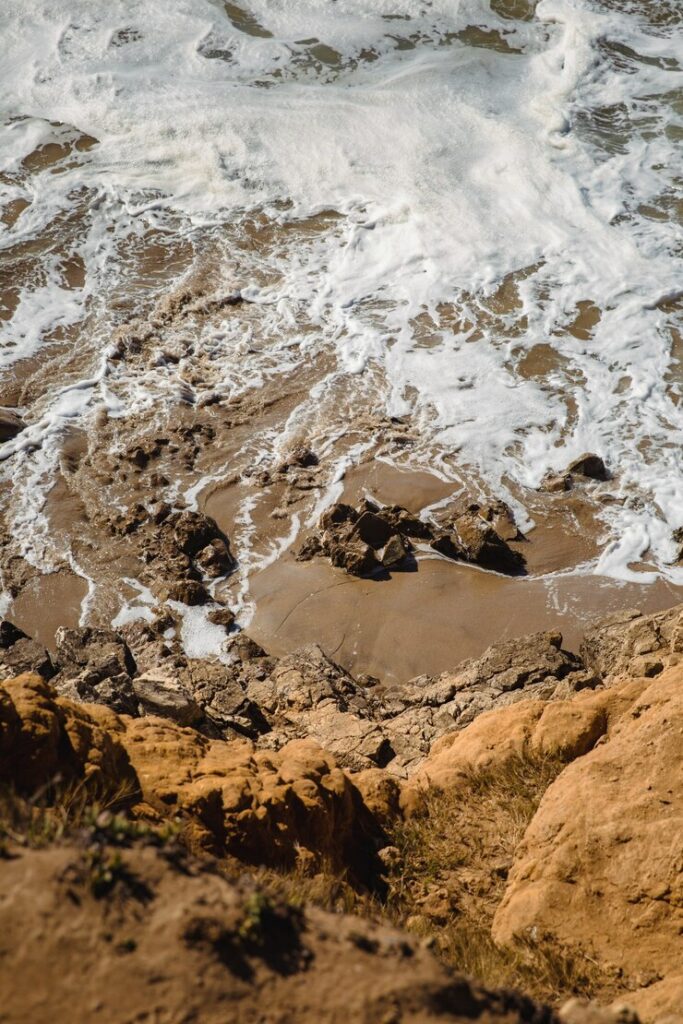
pixel 48 602
pixel 428 620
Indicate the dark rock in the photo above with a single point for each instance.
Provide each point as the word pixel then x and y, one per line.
pixel 472 539
pixel 25 655
pixel 336 514
pixel 300 456
pixel 193 531
pixel 311 547
pixel 447 544
pixel 215 559
pixel 11 424
pixel 222 617
pixel 407 524
pixel 590 466
pixel 103 652
pixel 351 553
pixel 373 530
pixel 395 552
pixel 9 634
pixel 161 512
pixel 502 519
pixel 189 592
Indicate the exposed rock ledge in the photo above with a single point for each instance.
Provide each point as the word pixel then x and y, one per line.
pixel 597 872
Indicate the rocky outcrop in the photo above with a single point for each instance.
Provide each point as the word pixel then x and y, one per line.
pixel 632 644
pixel 600 866
pixel 261 807
pixel 95 665
pixel 128 931
pixel 139 671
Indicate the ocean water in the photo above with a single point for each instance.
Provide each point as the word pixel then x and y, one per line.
pixel 472 208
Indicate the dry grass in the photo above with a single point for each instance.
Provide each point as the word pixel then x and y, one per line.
pixel 60 811
pixel 447 877
pixel 444 881
pixel 451 871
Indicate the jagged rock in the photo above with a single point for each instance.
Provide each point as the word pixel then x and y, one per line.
pixel 395 552
pixel 161 694
pixel 361 540
pixel 222 693
pixel 222 617
pixel 502 519
pixel 416 714
pixel 470 538
pixel 11 424
pixel 405 523
pixel 95 665
pixel 632 644
pixel 373 530
pixel 311 547
pixel 215 559
pixel 300 456
pixel 189 592
pixel 19 653
pixel 590 466
pixel 193 531
pixel 556 483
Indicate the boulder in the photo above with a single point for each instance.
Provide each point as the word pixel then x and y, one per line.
pixel 11 424
pixel 469 537
pixel 395 552
pixel 95 665
pixel 589 466
pixel 160 694
pixel 373 530
pixel 18 653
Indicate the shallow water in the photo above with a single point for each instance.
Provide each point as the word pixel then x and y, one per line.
pixel 466 213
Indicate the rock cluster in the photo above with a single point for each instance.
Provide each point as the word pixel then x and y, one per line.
pixel 370 538
pixel 182 549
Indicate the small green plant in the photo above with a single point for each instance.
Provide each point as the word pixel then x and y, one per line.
pixel 257 909
pixel 105 869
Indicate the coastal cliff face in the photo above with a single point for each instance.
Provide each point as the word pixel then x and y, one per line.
pixel 520 818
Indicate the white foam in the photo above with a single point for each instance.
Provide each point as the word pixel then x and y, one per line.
pixel 453 165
